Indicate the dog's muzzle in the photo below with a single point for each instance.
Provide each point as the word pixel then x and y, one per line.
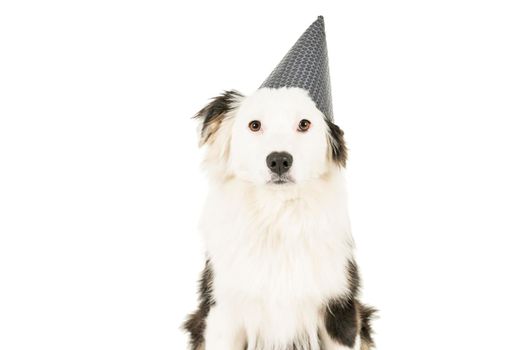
pixel 279 164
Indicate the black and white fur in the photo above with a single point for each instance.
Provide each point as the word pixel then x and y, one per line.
pixel 280 271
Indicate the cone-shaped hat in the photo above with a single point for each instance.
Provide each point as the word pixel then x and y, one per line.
pixel 306 66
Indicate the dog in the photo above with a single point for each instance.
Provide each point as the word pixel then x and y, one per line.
pixel 280 273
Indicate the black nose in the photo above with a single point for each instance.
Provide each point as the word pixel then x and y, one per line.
pixel 279 162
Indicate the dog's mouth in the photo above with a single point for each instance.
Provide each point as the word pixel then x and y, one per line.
pixel 281 179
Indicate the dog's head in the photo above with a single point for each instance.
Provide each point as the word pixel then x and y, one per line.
pixel 273 137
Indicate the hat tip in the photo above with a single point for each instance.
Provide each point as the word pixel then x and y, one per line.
pixel 319 22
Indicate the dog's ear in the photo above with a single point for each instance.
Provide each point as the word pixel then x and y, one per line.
pixel 336 144
pixel 215 112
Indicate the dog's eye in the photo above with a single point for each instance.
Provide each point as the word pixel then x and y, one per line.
pixel 304 125
pixel 255 125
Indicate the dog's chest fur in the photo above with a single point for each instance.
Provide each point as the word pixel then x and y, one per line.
pixel 278 257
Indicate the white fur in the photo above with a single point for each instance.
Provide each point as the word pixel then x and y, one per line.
pixel 279 252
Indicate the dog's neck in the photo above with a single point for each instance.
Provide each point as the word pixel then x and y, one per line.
pixel 324 196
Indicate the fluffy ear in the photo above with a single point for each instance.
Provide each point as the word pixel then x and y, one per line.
pixel 215 112
pixel 336 144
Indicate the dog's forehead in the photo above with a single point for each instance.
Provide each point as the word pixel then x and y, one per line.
pixel 278 103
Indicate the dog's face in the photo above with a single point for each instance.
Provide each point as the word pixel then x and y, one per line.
pixel 274 137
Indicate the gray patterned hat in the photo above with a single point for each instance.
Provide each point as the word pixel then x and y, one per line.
pixel 306 66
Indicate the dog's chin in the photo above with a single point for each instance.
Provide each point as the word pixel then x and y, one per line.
pixel 281 180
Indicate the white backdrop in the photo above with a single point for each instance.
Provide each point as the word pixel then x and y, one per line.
pixel 100 185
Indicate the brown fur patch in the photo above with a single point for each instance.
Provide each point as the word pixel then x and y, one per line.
pixel 337 144
pixel 214 113
pixel 367 313
pixel 195 324
pixel 346 318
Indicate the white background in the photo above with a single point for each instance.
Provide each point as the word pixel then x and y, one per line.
pixel 100 185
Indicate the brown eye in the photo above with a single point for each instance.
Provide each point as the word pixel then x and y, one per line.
pixel 255 125
pixel 304 125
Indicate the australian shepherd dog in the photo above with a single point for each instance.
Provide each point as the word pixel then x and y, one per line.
pixel 280 272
